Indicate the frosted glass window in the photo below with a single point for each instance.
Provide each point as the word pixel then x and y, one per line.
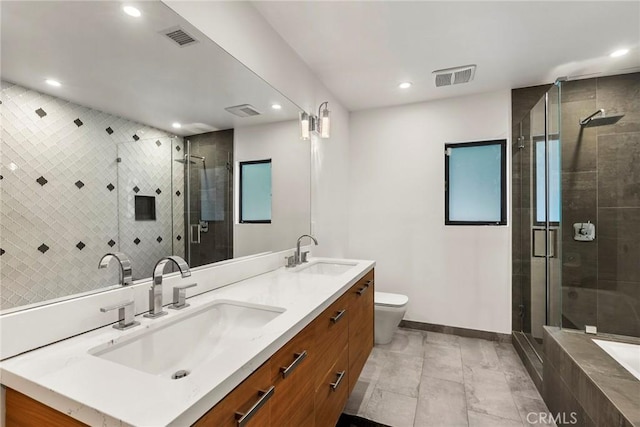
pixel 255 191
pixel 475 190
pixel 554 182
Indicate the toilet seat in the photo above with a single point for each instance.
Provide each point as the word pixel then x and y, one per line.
pixel 386 299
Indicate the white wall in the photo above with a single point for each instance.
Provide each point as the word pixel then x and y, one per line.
pixel 239 29
pixel 454 275
pixel 290 184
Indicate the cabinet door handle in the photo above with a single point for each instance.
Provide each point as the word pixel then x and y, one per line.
pixel 338 316
pixel 364 289
pixel 335 385
pixel 286 370
pixel 243 419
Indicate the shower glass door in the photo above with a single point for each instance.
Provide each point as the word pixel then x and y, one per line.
pixel 538 217
pixel 208 161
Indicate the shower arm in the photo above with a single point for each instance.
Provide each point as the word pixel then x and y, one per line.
pixel 588 118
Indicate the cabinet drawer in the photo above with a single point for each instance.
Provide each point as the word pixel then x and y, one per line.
pixel 292 373
pixel 251 398
pixel 361 306
pixel 332 394
pixel 332 334
pixel 23 411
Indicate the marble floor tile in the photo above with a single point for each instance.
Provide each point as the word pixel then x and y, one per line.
pixel 405 341
pixel 438 338
pixel 479 353
pixel 401 374
pixel 424 379
pixel 533 411
pixel 443 362
pixel 483 420
pixel 390 408
pixel 441 403
pixel 488 393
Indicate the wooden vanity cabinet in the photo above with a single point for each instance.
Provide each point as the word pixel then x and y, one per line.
pixel 305 383
pixel 23 411
pixel 361 307
pixel 332 394
pixel 252 398
pixel 293 374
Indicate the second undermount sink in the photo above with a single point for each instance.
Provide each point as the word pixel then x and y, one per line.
pixel 174 348
pixel 331 268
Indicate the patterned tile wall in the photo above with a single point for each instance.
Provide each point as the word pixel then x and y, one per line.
pixel 66 200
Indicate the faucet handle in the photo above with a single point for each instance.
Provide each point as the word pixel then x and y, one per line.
pixel 180 296
pixel 291 261
pixel 126 314
pixel 304 257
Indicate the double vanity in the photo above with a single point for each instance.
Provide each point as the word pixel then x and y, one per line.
pixel 284 347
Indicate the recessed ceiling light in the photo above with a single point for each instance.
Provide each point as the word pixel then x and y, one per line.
pixel 619 52
pixel 132 11
pixel 276 107
pixel 177 125
pixel 53 82
pixel 405 85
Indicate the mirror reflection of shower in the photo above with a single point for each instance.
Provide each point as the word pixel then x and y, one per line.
pixel 208 197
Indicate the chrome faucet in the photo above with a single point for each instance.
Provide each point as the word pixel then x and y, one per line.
pixel 155 293
pixel 298 259
pixel 126 277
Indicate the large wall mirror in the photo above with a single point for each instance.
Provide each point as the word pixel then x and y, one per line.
pixel 136 149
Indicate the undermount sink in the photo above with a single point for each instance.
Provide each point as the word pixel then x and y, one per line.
pixel 173 349
pixel 330 268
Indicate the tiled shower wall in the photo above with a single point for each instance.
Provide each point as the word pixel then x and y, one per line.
pixel 601 184
pixel 67 184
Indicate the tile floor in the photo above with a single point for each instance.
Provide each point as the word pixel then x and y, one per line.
pixel 426 379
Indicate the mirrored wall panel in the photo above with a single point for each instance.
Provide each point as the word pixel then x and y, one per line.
pixel 125 134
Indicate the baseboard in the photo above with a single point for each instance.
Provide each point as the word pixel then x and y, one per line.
pixel 452 330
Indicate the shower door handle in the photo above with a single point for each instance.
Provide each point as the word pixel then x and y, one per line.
pixel 195 233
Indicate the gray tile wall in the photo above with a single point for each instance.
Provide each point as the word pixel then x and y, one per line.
pixel 601 184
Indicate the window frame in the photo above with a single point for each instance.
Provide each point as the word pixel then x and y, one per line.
pixel 503 181
pixel 240 187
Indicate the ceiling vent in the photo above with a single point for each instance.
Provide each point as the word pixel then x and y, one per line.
pixel 244 110
pixel 454 76
pixel 179 36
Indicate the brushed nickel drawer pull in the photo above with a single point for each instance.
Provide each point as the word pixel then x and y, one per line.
pixel 243 419
pixel 286 370
pixel 364 289
pixel 338 316
pixel 335 385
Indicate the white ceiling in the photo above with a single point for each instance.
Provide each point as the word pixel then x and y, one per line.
pixel 362 50
pixel 110 61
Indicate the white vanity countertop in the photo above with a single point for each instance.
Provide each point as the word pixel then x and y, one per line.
pixel 96 391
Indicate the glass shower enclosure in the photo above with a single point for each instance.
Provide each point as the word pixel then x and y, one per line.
pixel 536 168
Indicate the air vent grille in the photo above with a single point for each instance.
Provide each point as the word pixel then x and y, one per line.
pixel 244 110
pixel 456 75
pixel 179 36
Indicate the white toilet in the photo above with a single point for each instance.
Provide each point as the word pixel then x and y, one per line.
pixel 389 311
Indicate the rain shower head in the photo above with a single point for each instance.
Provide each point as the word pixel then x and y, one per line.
pixel 603 120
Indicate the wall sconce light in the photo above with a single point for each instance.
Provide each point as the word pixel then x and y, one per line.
pixel 305 126
pixel 324 121
pixel 320 124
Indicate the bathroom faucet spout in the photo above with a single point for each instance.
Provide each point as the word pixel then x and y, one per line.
pixel 297 259
pixel 126 276
pixel 155 293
